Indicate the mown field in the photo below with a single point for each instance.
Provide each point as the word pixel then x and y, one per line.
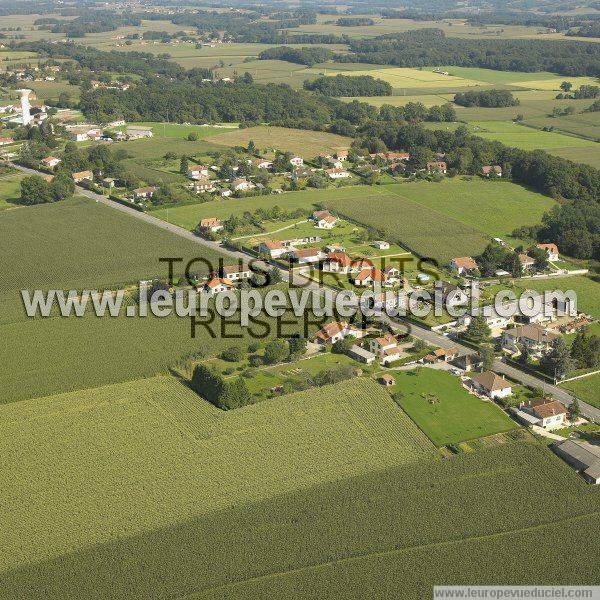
pixel 166 455
pixel 10 190
pixel 444 410
pixel 307 144
pixel 412 525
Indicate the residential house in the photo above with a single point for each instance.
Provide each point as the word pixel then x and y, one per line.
pixel 439 166
pixel 446 354
pixel 273 249
pixel 534 337
pixel 492 385
pixel 380 245
pixel 385 348
pixel 341 154
pixel 491 170
pixel 468 362
pixel 242 185
pixel 198 172
pixel 296 161
pixel 337 262
pixel 304 256
pixel 327 222
pixel 369 277
pixel 94 134
pixel 144 192
pixel 526 262
pixel 217 285
pixel 202 185
pixel 5 141
pixel 337 173
pixel 236 272
pixel 463 265
pixel 391 274
pixel 550 413
pixel 551 250
pixel 449 294
pixel 337 330
pixel 83 176
pixel 357 352
pixel 260 163
pixel 211 224
pixel 136 132
pixel 360 264
pixel 584 457
pixel 79 134
pixel 334 248
pixel 50 162
pixel 108 182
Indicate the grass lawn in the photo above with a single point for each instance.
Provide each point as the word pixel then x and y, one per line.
pixel 10 190
pixel 454 415
pixel 157 147
pixel 176 130
pixel 307 144
pixel 585 388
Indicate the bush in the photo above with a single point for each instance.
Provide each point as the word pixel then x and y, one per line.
pixel 233 354
pixel 224 394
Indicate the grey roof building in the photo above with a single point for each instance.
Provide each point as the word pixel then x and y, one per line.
pixel 582 456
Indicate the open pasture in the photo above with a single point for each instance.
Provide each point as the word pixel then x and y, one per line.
pixel 307 144
pixel 444 410
pixel 586 389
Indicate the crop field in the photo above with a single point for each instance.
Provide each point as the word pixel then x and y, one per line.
pixel 160 448
pixel 417 530
pixel 10 190
pixel 583 155
pixel 77 243
pixel 586 389
pixel 581 124
pixel 444 410
pixel 307 144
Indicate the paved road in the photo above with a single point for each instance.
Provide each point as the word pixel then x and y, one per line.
pixel 422 333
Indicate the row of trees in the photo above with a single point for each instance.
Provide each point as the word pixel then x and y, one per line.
pixel 36 190
pixel 309 55
pixel 349 85
pixel 486 98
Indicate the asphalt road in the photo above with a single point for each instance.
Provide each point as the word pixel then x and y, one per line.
pixel 588 411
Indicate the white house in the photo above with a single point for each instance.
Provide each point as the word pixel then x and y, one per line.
pixel 198 172
pixel 305 256
pixel 534 337
pixel 492 385
pixel 203 185
pixel 260 163
pixel 242 185
pixel 489 170
pixel 551 250
pixel 337 173
pixel 296 161
pixel 380 245
pixel 136 132
pixel 337 330
pixel 210 224
pixel 273 249
pixel 236 272
pixel 551 414
pixel 144 192
pixel 526 262
pixel 463 265
pixel 217 285
pixel 83 176
pixel 327 222
pixel 337 262
pixel 5 141
pixel 50 162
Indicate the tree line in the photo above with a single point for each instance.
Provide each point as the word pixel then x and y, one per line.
pixel 349 85
pixel 431 47
pixel 308 56
pixel 486 98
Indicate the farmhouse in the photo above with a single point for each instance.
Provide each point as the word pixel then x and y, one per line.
pixel 210 224
pixel 385 348
pixel 439 166
pixel 537 340
pixel 361 354
pixel 50 162
pixel 337 330
pixel 197 172
pixel 582 456
pixel 551 250
pixel 491 171
pixel 236 272
pixel 305 256
pixel 492 385
pixel 83 176
pixel 217 285
pixel 144 192
pixel 463 265
pixel 550 414
pixel 337 173
pixel 337 262
pixel 273 249
pixel 136 132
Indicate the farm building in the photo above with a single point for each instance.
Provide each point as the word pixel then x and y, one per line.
pixel 582 456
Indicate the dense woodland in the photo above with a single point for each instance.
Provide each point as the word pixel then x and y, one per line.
pixel 308 56
pixel 349 85
pixel 486 98
pixel 431 47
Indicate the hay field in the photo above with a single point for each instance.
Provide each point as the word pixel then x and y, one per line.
pixel 307 144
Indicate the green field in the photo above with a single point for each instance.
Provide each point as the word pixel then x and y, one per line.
pixel 586 389
pixel 412 525
pixel 307 144
pixel 10 190
pixel 444 410
pixel 168 456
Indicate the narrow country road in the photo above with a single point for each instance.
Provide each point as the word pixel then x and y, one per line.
pixel 588 411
